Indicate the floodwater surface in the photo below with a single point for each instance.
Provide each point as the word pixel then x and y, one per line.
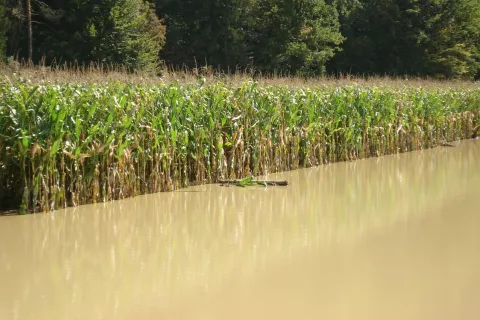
pixel 396 237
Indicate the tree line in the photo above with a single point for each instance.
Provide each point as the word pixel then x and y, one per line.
pixel 434 38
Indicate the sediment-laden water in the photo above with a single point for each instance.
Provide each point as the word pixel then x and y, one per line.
pixel 395 237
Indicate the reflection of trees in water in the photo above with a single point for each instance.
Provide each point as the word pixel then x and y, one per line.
pixel 156 248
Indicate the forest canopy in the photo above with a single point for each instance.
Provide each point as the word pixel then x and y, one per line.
pixel 434 38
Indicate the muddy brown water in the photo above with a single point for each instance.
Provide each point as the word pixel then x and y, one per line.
pixel 396 237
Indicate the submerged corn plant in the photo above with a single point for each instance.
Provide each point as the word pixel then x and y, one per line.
pixel 72 144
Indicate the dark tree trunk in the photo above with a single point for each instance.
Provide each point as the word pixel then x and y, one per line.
pixel 29 26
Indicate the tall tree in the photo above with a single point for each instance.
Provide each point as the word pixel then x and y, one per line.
pixel 296 36
pixel 209 32
pixel 125 31
pixel 3 29
pixel 418 37
pixel 28 11
pixel 452 38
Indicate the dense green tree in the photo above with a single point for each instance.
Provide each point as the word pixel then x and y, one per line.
pixel 378 39
pixel 26 17
pixel 296 36
pixel 3 29
pixel 452 38
pixel 14 16
pixel 418 37
pixel 125 32
pixel 439 38
pixel 209 32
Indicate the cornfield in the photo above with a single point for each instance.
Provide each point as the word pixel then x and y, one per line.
pixel 70 144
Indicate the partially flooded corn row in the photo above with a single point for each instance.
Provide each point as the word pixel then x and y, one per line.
pixel 67 145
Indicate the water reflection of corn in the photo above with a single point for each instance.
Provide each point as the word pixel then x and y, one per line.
pixel 66 145
pixel 170 244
